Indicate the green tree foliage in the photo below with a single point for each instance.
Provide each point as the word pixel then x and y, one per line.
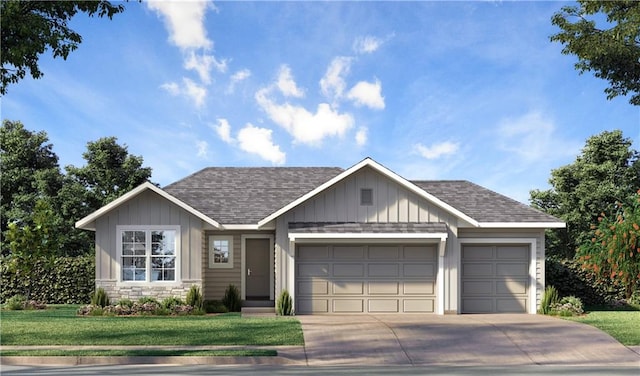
pixel 613 252
pixel 611 50
pixel 607 171
pixel 29 28
pixel 109 173
pixel 29 172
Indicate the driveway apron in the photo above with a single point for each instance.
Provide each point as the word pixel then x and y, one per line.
pixel 464 340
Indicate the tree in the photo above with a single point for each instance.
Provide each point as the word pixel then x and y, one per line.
pixel 606 172
pixel 109 173
pixel 612 51
pixel 613 253
pixel 31 27
pixel 29 172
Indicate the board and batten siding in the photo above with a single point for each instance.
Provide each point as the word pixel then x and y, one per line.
pixel 392 203
pixel 536 234
pixel 149 209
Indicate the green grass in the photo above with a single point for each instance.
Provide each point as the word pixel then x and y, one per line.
pixel 59 325
pixel 153 352
pixel 624 326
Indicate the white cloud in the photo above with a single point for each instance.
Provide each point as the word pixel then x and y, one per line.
pixel 533 137
pixel 436 151
pixel 287 85
pixel 237 77
pixel 203 148
pixel 202 64
pixel 258 141
pixel 189 89
pixel 367 94
pixel 184 21
pixel 171 87
pixel 361 136
pixel 223 129
pixel 194 91
pixel 367 45
pixel 333 83
pixel 305 127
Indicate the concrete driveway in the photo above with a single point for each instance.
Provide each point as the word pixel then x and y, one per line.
pixel 461 340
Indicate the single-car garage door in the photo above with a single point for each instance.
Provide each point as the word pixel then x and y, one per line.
pixel 495 278
pixel 366 278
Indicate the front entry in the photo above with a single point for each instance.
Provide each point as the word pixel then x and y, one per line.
pixel 257 268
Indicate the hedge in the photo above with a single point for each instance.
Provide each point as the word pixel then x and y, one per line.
pixel 66 280
pixel 568 278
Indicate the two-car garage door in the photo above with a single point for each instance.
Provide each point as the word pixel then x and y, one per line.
pixel 366 278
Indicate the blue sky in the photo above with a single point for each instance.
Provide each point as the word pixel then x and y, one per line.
pixel 431 90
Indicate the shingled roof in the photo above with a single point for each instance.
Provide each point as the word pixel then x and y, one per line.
pixel 245 195
pixel 482 204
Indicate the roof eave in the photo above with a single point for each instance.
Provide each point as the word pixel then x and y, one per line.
pixel 537 225
pixel 88 222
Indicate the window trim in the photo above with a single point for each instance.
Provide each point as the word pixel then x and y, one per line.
pixel 362 202
pixel 229 263
pixel 148 229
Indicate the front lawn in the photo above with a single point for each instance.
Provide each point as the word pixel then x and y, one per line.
pixel 59 325
pixel 624 326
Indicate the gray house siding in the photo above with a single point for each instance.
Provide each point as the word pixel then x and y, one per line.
pixel 148 209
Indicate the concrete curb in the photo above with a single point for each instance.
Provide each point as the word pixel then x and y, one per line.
pixel 287 355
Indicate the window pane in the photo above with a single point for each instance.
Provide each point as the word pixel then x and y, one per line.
pixel 220 251
pixel 164 242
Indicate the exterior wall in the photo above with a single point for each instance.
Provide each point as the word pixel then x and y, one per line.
pixel 537 234
pixel 392 203
pixel 148 209
pixel 216 280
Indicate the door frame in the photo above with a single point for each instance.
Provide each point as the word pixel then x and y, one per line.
pixel 243 258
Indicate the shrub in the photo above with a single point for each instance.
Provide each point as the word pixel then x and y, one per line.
pixel 194 297
pixel 100 298
pixel 171 302
pixel 231 299
pixel 215 306
pixel 148 299
pixel 125 303
pixel 33 304
pixel 284 306
pixel 568 306
pixel 635 298
pixel 15 303
pixel 549 298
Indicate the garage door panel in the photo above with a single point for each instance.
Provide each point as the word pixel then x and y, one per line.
pixel 510 269
pixel 348 305
pixel 512 253
pixel 418 306
pixel 420 253
pixel 418 270
pixel 477 253
pixel 348 270
pixel 348 288
pixel 473 269
pixel 313 253
pixel 383 270
pixel 313 287
pixel 477 305
pixel 313 305
pixel 383 288
pixel 313 270
pixel 511 305
pixel 348 252
pixel 384 252
pixel 419 288
pixel 514 287
pixel 383 305
pixel 477 287
pixel 365 279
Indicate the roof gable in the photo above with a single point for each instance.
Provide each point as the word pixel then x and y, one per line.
pixel 88 222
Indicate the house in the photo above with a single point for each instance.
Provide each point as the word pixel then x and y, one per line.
pixel 360 240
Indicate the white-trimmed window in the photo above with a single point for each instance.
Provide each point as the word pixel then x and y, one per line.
pixel 148 254
pixel 220 251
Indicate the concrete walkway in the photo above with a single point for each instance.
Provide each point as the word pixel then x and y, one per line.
pixel 461 340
